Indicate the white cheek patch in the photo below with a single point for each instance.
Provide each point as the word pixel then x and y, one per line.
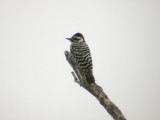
pixel 81 40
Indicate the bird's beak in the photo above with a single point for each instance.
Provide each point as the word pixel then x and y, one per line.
pixel 69 39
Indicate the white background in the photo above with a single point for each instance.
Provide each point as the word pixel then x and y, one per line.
pixel 35 78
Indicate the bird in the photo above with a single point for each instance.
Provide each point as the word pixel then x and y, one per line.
pixel 82 56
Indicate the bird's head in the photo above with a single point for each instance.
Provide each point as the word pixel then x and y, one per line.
pixel 78 37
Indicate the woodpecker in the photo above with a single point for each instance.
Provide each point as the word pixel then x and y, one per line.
pixel 82 56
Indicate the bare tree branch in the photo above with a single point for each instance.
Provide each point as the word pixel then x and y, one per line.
pixel 95 90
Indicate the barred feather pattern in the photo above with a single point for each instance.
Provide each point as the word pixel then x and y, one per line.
pixel 83 58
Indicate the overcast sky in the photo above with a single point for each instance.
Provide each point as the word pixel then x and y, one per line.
pixel 35 78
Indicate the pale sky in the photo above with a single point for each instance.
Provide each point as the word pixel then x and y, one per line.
pixel 35 78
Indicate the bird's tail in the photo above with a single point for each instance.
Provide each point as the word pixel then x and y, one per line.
pixel 90 78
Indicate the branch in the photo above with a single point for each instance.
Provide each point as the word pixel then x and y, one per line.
pixel 95 90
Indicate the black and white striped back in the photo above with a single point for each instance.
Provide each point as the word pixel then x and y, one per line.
pixel 82 56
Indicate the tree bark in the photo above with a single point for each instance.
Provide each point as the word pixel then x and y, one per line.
pixel 94 89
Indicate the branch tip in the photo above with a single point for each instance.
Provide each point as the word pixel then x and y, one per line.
pixel 94 89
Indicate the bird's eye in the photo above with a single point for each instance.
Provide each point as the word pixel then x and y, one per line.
pixel 76 39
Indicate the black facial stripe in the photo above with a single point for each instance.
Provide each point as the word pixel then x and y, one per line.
pixel 76 39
